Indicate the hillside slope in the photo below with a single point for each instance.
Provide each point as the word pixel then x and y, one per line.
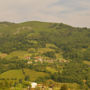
pixel 73 42
pixel 40 51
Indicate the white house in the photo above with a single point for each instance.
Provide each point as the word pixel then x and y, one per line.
pixel 33 84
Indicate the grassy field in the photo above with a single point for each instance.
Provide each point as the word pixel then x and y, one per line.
pixel 44 50
pixel 86 62
pixel 51 70
pixel 34 75
pixel 12 74
pixel 17 74
pixel 19 54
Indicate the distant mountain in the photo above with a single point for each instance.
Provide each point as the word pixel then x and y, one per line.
pixel 74 42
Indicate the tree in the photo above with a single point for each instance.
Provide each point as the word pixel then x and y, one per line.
pixel 64 87
pixel 20 80
pixel 50 54
pixel 26 84
pixel 27 78
pixel 50 83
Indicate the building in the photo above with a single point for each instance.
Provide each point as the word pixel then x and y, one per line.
pixel 29 62
pixel 28 57
pixel 33 84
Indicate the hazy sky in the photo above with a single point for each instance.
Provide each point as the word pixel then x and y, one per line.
pixel 72 12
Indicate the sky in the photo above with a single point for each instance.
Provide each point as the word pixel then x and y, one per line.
pixel 71 12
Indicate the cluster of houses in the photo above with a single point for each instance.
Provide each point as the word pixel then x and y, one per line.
pixel 35 59
pixel 64 61
pixel 38 59
pixel 35 85
pixel 42 60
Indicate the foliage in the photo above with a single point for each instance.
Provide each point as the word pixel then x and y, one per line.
pixel 64 87
pixel 50 41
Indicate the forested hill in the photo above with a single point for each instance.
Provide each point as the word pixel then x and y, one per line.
pixel 72 42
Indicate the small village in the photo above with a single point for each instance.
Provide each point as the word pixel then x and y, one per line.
pixel 42 60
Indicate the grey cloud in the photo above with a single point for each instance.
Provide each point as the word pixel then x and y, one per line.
pixel 46 10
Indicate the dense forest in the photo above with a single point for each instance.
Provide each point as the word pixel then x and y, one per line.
pixel 56 49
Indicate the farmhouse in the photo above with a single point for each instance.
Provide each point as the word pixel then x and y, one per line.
pixel 33 85
pixel 29 62
pixel 28 57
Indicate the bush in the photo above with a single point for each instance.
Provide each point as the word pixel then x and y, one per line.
pixel 64 87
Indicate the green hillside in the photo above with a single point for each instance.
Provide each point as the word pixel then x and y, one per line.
pixel 18 74
pixel 73 42
pixel 42 51
pixel 12 74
